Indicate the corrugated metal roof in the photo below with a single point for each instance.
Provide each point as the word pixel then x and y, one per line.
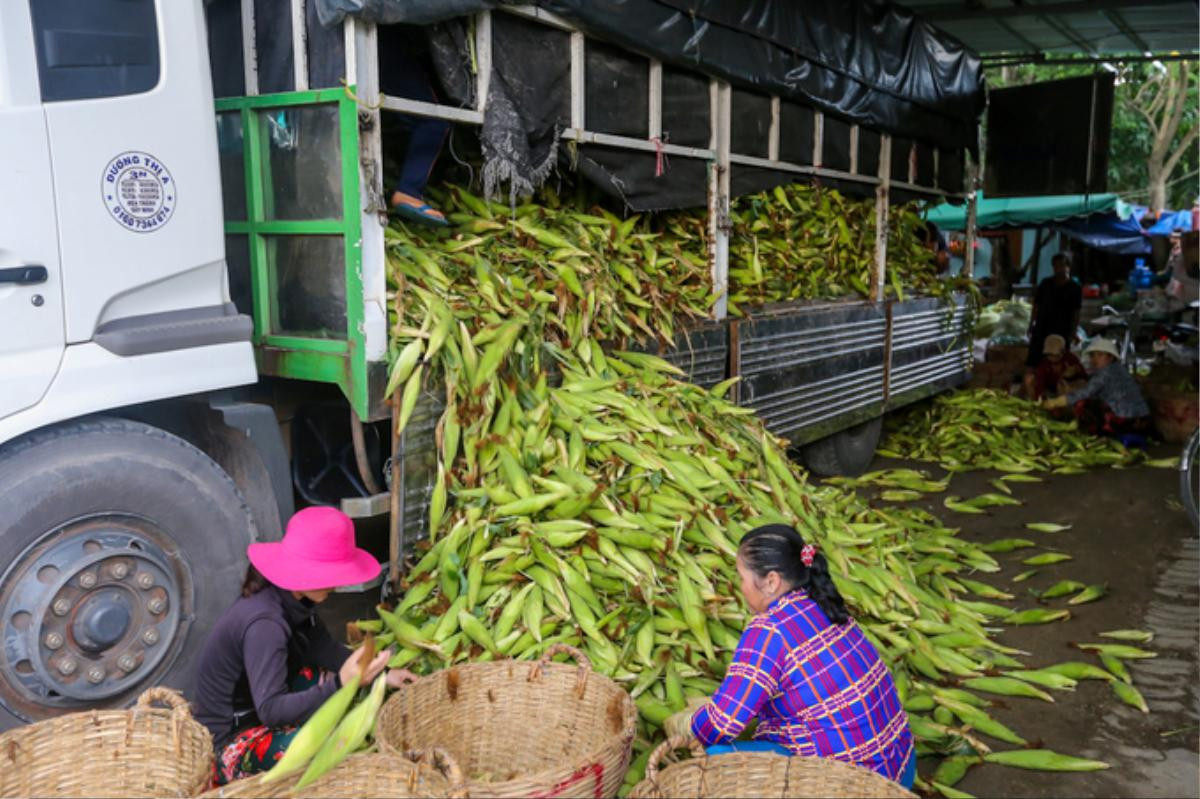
pixel 1057 28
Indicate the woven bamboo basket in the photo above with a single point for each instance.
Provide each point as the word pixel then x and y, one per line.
pixel 145 751
pixel 429 774
pixel 519 729
pixel 743 775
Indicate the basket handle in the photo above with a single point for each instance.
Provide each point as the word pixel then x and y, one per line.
pixel 565 649
pixel 166 696
pixel 666 748
pixel 444 762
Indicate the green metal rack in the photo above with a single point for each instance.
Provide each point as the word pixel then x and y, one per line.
pixel 340 359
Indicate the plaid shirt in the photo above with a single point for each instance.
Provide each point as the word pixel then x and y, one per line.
pixel 817 689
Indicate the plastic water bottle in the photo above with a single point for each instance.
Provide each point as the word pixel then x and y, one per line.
pixel 1140 277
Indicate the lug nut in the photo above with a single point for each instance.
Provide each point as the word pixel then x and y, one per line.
pixel 119 570
pixel 127 663
pixel 145 580
pixel 67 666
pixel 95 675
pixel 156 605
pixel 53 640
pixel 150 637
pixel 61 607
pixel 87 579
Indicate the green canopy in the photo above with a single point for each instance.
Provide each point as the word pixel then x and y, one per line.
pixel 1028 211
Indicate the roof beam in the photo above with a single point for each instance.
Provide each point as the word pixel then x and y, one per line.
pixel 1070 35
pixel 1138 42
pixel 1016 34
pixel 996 60
pixel 952 13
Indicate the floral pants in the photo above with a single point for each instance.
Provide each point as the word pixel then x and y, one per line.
pixel 255 749
pixel 1097 418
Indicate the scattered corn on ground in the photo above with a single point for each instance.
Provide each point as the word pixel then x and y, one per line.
pixel 587 495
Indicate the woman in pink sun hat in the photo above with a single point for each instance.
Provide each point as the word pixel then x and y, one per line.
pixel 269 661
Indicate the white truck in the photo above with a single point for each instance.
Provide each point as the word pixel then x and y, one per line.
pixel 151 263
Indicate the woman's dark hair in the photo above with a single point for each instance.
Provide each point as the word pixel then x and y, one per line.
pixel 254 582
pixel 776 548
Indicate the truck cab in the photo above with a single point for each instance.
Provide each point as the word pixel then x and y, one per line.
pixel 119 540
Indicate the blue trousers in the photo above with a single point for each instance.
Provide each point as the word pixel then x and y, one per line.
pixel 906 779
pixel 425 134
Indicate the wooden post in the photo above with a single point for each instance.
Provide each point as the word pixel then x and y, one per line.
pixel 879 268
pixel 972 195
pixel 396 517
pixel 721 97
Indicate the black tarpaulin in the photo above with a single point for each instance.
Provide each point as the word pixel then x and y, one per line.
pixel 391 12
pixel 869 62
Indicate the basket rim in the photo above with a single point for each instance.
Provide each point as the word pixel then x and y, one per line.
pixel 628 732
pixel 652 786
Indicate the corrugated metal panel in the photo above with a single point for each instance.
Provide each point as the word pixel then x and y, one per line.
pixel 810 366
pixel 420 462
pixel 702 352
pixel 930 349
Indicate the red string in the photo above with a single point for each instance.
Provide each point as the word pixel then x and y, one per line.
pixel 660 157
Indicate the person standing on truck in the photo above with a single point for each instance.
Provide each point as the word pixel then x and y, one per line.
pixel 803 668
pixel 1111 404
pixel 1056 305
pixel 408 78
pixel 269 661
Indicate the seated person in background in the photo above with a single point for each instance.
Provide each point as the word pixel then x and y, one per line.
pixel 1111 404
pixel 933 240
pixel 1056 372
pixel 1184 269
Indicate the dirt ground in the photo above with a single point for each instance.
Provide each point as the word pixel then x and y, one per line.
pixel 1126 533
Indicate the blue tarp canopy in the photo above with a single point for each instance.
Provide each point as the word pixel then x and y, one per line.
pixel 1102 221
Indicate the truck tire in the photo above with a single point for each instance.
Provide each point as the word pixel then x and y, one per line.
pixel 120 545
pixel 847 452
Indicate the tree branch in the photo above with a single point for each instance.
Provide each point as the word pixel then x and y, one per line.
pixel 1166 130
pixel 1184 144
pixel 1161 97
pixel 1137 98
pixel 1180 100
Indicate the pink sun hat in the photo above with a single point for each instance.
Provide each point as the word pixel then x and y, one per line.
pixel 316 552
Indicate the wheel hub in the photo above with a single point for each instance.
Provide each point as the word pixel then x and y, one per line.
pixel 102 620
pixel 88 612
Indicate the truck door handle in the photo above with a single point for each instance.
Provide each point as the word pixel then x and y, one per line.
pixel 25 275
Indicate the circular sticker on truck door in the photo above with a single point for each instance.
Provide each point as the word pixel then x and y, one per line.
pixel 138 191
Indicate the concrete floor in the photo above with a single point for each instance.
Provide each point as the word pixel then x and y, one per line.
pixel 1127 531
pixel 1124 532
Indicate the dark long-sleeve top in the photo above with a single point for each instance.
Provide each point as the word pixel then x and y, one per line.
pixel 246 659
pixel 1115 387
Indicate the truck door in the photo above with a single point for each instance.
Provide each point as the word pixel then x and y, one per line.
pixel 129 111
pixel 32 335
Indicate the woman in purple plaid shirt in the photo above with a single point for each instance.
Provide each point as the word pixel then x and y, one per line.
pixel 804 669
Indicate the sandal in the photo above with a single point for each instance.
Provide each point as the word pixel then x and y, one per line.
pixel 412 208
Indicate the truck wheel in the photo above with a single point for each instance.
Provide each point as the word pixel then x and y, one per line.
pixel 120 546
pixel 847 452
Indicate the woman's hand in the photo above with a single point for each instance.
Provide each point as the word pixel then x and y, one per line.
pixel 680 724
pixel 352 667
pixel 398 677
pixel 1054 403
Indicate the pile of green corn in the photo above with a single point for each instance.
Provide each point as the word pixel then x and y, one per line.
pixel 800 243
pixel 988 429
pixel 588 496
pixel 793 243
